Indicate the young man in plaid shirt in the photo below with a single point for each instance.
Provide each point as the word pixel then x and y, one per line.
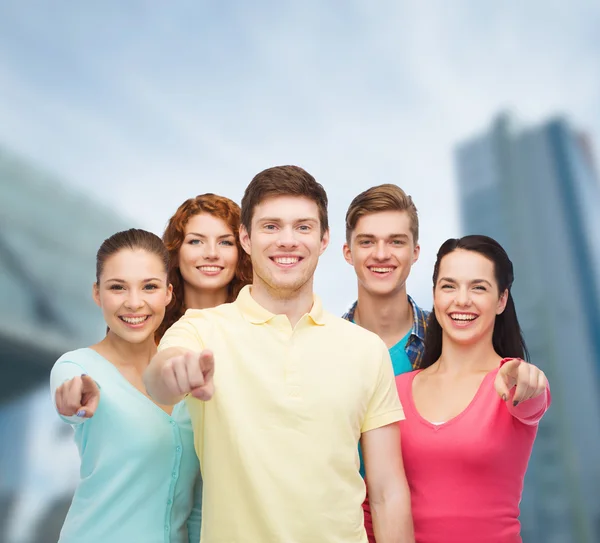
pixel 382 244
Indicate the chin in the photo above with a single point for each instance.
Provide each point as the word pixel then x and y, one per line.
pixel 381 290
pixel 210 285
pixel 471 338
pixel 135 338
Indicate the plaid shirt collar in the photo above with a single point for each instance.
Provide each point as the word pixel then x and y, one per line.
pixel 415 346
pixel 419 318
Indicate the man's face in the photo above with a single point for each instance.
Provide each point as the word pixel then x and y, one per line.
pixel 285 244
pixel 382 251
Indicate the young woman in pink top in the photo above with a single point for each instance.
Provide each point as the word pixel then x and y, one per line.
pixel 473 409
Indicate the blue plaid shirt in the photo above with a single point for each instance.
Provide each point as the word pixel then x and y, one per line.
pixel 415 346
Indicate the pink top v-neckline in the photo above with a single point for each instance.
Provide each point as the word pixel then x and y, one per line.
pixel 410 403
pixel 466 475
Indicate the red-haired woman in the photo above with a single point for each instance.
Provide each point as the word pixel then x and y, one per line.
pixel 208 266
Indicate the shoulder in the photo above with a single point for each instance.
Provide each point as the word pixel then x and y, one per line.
pixel 196 325
pixel 350 335
pixel 404 383
pixel 349 315
pixel 75 363
pixel 341 324
pixel 198 317
pixel 420 313
pixel 82 357
pixel 407 377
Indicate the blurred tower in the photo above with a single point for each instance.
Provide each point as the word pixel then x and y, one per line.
pixel 535 190
pixel 48 239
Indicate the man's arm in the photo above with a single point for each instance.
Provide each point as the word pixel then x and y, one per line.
pixel 175 372
pixel 389 495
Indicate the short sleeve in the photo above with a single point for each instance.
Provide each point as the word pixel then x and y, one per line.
pixel 384 406
pixel 61 372
pixel 182 334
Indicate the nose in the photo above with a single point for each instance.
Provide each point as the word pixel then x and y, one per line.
pixel 211 250
pixel 287 238
pixel 462 296
pixel 134 299
pixel 382 250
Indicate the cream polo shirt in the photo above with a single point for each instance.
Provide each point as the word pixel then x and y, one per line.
pixel 278 442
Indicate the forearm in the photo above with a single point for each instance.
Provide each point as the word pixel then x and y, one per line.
pixel 154 381
pixel 391 515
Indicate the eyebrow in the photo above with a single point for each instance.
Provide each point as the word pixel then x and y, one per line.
pixel 204 236
pixel 115 280
pixel 278 220
pixel 372 236
pixel 474 282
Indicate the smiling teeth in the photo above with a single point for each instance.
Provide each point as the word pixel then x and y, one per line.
pixel 381 270
pixel 463 317
pixel 210 268
pixel 134 320
pixel 287 260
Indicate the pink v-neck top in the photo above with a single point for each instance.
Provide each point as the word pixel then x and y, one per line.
pixel 466 475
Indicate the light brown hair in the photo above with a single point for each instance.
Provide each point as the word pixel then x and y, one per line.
pixel 386 197
pixel 284 181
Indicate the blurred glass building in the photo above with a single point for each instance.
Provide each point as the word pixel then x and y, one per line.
pixel 49 236
pixel 536 191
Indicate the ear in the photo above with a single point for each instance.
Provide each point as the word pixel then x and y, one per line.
pixel 324 242
pixel 347 254
pixel 169 294
pixel 416 253
pixel 245 239
pixel 96 294
pixel 502 301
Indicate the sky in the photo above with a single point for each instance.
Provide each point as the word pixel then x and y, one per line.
pixel 144 104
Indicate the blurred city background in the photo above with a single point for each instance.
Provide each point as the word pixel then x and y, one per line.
pixel 488 114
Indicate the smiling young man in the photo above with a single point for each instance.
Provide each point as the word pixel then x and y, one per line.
pixel 280 391
pixel 382 244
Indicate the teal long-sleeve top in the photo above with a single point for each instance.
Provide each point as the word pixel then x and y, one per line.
pixel 140 476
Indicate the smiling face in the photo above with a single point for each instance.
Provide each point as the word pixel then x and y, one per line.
pixel 466 297
pixel 382 251
pixel 284 245
pixel 208 255
pixel 132 292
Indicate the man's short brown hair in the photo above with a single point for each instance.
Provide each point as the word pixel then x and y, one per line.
pixel 387 197
pixel 283 181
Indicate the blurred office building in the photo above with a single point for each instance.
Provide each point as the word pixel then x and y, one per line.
pixel 49 236
pixel 536 190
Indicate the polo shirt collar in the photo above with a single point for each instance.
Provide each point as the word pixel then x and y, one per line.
pixel 257 314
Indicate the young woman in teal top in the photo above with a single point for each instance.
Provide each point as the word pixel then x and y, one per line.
pixel 140 479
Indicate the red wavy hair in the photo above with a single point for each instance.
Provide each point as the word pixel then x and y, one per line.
pixel 218 206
